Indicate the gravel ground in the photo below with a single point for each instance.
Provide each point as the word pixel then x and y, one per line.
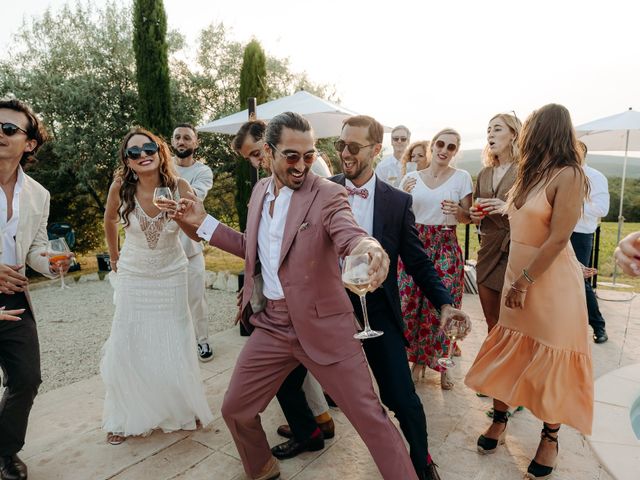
pixel 74 324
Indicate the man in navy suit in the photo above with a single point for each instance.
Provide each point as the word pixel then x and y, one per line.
pixel 385 213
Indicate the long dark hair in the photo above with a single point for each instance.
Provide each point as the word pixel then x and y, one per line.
pixel 128 179
pixel 547 143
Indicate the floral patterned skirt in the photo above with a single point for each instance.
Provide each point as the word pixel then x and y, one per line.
pixel 427 343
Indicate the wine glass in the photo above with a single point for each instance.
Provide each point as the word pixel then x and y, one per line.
pixel 453 329
pixel 355 276
pixel 57 251
pixel 411 167
pixel 161 193
pixel 447 196
pixel 393 178
pixel 479 207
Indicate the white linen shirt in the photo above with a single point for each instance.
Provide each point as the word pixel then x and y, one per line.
pixel 270 234
pixel 9 228
pixel 363 207
pixel 597 205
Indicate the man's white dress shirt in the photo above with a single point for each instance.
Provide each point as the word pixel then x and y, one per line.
pixel 597 205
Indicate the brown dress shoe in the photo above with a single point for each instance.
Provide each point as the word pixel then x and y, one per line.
pixel 271 471
pixel 12 468
pixel 327 428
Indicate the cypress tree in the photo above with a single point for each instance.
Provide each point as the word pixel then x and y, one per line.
pixel 152 66
pixel 253 83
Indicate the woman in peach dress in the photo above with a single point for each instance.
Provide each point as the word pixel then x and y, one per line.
pixel 538 355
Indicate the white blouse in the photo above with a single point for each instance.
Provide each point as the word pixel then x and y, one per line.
pixel 427 201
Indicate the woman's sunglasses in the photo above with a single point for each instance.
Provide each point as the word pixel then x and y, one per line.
pixel 353 148
pixel 452 147
pixel 10 129
pixel 134 153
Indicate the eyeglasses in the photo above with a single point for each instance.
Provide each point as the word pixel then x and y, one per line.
pixel 353 148
pixel 294 157
pixel 399 139
pixel 452 147
pixel 134 153
pixel 10 129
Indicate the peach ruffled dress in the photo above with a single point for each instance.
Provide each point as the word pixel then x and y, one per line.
pixel 540 357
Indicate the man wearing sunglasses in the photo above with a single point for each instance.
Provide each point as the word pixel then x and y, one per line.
pixel 184 142
pixel 298 225
pixel 390 167
pixel 24 209
pixel 385 213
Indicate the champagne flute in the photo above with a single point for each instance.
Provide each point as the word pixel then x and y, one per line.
pixel 453 329
pixel 355 276
pixel 57 251
pixel 480 208
pixel 447 196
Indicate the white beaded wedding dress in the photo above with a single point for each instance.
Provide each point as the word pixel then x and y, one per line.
pixel 149 363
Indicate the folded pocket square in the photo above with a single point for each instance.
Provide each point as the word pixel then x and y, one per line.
pixel 303 227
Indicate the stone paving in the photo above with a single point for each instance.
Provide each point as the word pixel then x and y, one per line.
pixel 65 442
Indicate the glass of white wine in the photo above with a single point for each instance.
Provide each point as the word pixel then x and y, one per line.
pixel 162 193
pixel 448 195
pixel 58 251
pixel 454 329
pixel 355 276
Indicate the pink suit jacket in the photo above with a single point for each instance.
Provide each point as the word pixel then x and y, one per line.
pixel 319 229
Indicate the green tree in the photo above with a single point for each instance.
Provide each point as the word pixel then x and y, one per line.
pixel 152 66
pixel 253 83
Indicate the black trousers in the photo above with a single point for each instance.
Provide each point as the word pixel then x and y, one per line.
pixel 583 246
pixel 387 358
pixel 20 363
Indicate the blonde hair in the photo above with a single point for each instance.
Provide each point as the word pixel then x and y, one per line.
pixel 515 126
pixel 406 156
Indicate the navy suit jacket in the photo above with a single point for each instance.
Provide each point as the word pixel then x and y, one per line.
pixel 394 226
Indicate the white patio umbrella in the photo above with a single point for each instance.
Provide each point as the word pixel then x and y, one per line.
pixel 325 117
pixel 614 133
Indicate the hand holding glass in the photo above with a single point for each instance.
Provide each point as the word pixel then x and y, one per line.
pixel 58 252
pixel 355 276
pixel 454 329
pixel 478 205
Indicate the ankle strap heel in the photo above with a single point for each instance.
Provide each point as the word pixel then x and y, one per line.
pixel 537 471
pixel 488 445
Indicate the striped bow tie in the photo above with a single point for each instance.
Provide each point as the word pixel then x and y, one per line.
pixel 363 192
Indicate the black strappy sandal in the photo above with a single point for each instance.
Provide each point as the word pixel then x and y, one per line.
pixel 537 471
pixel 488 445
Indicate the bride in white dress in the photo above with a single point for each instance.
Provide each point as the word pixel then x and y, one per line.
pixel 149 366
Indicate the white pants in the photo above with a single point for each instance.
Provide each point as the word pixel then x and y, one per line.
pixel 197 303
pixel 315 396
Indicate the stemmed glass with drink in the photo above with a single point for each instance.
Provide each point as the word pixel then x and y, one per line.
pixel 355 276
pixel 159 195
pixel 58 252
pixel 448 197
pixel 454 329
pixel 478 205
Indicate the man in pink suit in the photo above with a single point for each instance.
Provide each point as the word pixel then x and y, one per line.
pixel 298 226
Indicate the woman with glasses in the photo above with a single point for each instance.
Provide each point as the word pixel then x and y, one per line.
pixel 149 366
pixel 538 355
pixel 492 186
pixel 441 199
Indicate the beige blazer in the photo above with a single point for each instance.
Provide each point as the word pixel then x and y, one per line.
pixel 31 237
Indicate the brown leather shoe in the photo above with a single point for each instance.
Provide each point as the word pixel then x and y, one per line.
pixel 12 468
pixel 327 428
pixel 271 471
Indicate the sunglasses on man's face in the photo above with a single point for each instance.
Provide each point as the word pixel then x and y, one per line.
pixel 10 129
pixel 134 153
pixel 353 148
pixel 452 147
pixel 294 157
pixel 399 139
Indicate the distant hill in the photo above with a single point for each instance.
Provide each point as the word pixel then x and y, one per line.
pixel 609 165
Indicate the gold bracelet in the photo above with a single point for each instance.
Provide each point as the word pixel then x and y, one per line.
pixel 513 287
pixel 527 277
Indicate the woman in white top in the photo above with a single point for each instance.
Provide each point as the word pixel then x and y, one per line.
pixel 441 199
